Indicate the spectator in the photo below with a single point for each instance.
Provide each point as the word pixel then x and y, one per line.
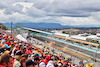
pixel 8 42
pixel 37 55
pixel 15 48
pixel 3 41
pixel 50 64
pixel 29 52
pixel 22 61
pixel 6 60
pixel 17 59
pixel 6 46
pixel 36 61
pixel 29 63
pixel 24 50
pixel 41 57
pixel 25 55
pixel 44 62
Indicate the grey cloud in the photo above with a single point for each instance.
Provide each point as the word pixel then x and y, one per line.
pixel 69 15
pixel 34 12
pixel 96 16
pixel 12 9
pixel 52 8
pixel 75 7
pixel 3 4
pixel 72 8
pixel 9 8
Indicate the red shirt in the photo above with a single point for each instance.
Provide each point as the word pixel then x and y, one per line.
pixel 28 52
pixel 8 43
pixel 45 61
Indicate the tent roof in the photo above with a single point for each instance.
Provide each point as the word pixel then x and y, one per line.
pixel 21 38
pixel 37 30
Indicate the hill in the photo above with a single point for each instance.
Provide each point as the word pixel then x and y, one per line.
pixel 37 25
pixel 48 25
pixel 3 26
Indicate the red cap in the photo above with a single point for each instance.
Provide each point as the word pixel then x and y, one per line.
pixel 47 57
pixel 65 63
pixel 28 52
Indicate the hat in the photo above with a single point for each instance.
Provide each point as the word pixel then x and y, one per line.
pixel 37 54
pixel 47 57
pixel 29 62
pixel 18 52
pixel 5 45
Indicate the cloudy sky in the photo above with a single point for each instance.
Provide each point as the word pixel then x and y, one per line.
pixel 65 12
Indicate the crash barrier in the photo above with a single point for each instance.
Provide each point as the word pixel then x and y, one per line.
pixel 74 59
pixel 75 46
pixel 58 52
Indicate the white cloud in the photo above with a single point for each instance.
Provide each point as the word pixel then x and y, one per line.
pixel 65 12
pixel 76 20
pixel 24 4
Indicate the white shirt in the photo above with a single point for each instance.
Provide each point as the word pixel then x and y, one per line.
pixel 42 64
pixel 50 64
pixel 12 54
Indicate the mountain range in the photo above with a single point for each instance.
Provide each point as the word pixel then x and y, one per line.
pixel 36 25
pixel 45 25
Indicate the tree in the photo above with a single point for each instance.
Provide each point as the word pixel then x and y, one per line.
pixel 2 26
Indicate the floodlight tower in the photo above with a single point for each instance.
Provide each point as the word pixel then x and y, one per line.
pixel 11 28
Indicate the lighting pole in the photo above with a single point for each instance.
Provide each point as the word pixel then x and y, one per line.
pixel 11 29
pixel 95 55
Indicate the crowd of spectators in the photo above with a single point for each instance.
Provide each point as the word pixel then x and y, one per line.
pixel 15 53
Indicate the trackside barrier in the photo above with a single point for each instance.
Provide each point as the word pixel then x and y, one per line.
pixel 73 45
pixel 74 59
